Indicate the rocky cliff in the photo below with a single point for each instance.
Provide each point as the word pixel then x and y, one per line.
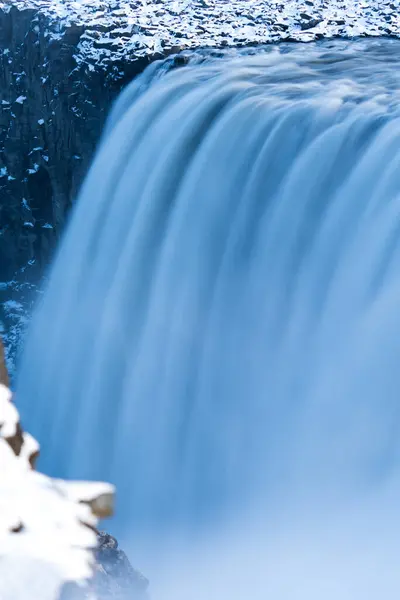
pixel 53 105
pixel 53 109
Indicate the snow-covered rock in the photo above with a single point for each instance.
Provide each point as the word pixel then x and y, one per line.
pixel 49 545
pixel 112 29
pixel 47 526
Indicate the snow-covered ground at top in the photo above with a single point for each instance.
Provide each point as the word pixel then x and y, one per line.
pixel 146 27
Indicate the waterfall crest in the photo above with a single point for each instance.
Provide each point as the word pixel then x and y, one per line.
pixel 221 322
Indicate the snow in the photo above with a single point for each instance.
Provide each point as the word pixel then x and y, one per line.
pixel 34 169
pixel 20 99
pixel 46 525
pixel 8 414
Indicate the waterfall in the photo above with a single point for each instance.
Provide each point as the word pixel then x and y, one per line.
pixel 221 325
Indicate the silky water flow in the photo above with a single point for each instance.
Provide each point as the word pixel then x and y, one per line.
pixel 220 332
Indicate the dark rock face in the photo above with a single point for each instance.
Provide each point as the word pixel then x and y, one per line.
pixel 52 111
pixel 52 114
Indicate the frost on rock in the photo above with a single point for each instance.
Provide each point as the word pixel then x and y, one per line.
pixel 47 526
pixel 17 300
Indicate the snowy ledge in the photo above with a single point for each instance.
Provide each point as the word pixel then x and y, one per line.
pixel 47 526
pixel 115 29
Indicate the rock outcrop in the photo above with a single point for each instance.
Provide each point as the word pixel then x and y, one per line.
pixel 48 529
pixel 115 578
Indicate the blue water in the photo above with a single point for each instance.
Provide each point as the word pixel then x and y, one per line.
pixel 221 324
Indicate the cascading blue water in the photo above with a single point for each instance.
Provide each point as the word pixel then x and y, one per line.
pixel 222 321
